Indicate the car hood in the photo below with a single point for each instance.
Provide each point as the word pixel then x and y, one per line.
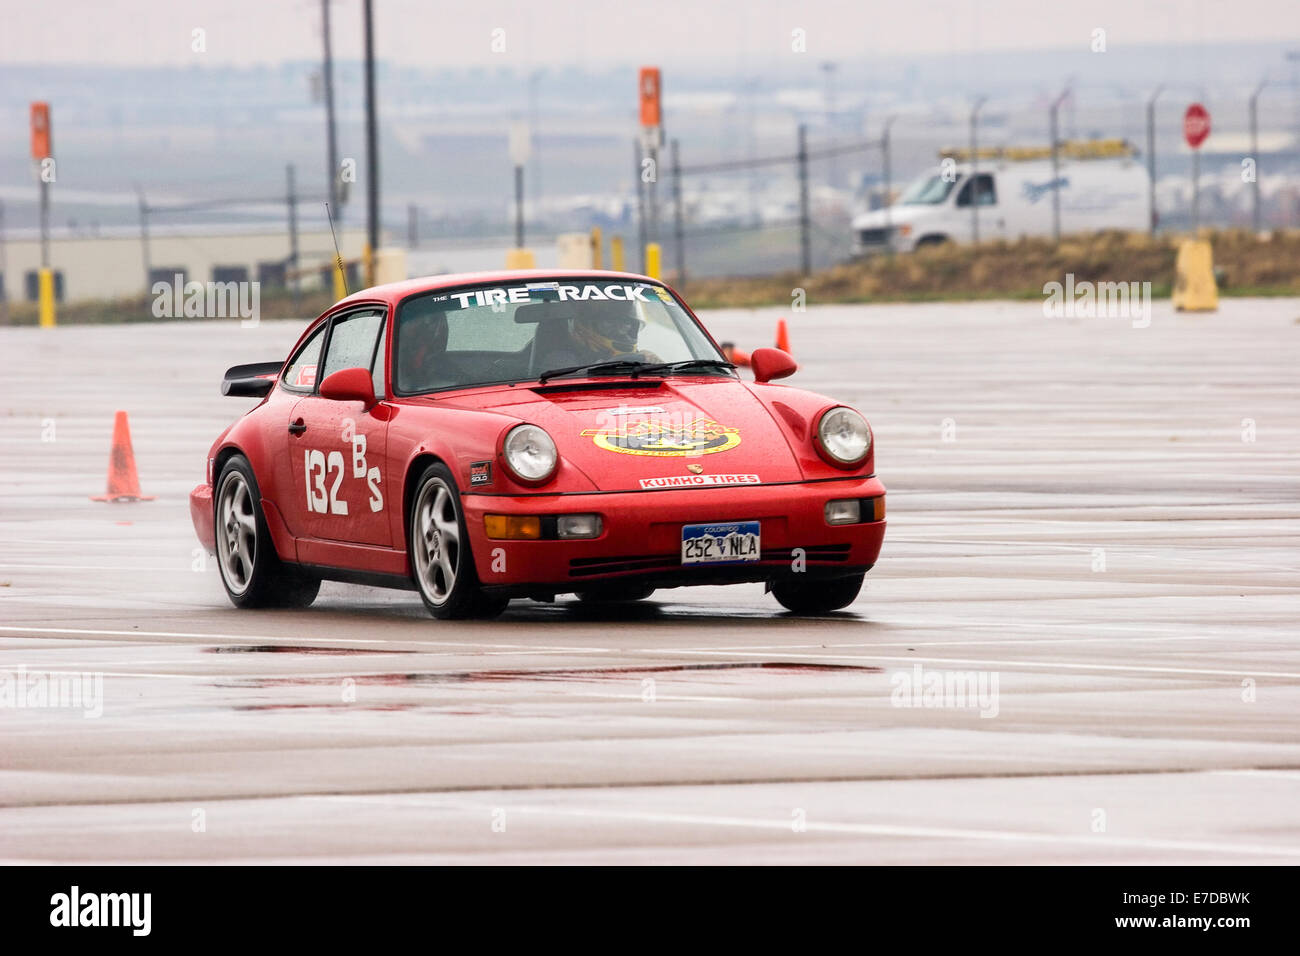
pixel 898 214
pixel 630 436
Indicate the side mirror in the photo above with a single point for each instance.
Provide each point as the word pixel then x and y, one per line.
pixel 349 385
pixel 771 363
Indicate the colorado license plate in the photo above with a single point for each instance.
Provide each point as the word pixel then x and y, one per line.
pixel 729 543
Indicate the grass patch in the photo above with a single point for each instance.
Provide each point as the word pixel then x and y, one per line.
pixel 1245 264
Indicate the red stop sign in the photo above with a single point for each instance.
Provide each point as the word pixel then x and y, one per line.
pixel 1196 125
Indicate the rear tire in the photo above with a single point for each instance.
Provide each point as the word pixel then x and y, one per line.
pixel 817 597
pixel 251 572
pixel 438 544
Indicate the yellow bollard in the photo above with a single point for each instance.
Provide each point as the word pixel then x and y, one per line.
pixel 1194 287
pixel 596 248
pixel 45 290
pixel 340 280
pixel 616 253
pixel 520 259
pixel 368 265
pixel 652 259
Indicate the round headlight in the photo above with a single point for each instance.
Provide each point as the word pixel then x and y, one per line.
pixel 530 452
pixel 844 435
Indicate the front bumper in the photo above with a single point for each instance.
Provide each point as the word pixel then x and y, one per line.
pixel 641 540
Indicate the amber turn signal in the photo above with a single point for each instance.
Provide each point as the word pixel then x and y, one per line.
pixel 513 527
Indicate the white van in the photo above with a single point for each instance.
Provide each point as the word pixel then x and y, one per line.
pixel 1015 199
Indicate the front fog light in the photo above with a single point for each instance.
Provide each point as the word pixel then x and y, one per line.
pixel 578 526
pixel 844 511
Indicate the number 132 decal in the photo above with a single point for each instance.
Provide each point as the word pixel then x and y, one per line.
pixel 318 466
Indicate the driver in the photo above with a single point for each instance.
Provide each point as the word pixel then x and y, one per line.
pixel 604 330
pixel 422 361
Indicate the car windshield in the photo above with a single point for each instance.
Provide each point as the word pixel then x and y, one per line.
pixel 929 191
pixel 540 330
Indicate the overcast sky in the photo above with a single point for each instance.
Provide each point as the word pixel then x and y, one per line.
pixel 592 33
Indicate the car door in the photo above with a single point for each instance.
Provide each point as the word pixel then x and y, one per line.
pixel 337 448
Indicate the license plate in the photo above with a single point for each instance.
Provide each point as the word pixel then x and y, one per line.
pixel 729 543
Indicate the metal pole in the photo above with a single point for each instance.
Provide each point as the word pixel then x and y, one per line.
pixel 1196 191
pixel 805 247
pixel 45 224
pixel 412 225
pixel 887 162
pixel 679 237
pixel 4 292
pixel 1151 158
pixel 331 134
pixel 295 283
pixel 829 69
pixel 1056 166
pixel 372 145
pixel 534 116
pixel 974 172
pixel 519 207
pixel 1254 154
pixel 652 193
pixel 144 238
pixel 640 198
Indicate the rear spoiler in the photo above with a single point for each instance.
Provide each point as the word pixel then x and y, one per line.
pixel 251 381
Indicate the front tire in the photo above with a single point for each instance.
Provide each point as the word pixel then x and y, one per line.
pixel 438 544
pixel 817 597
pixel 251 572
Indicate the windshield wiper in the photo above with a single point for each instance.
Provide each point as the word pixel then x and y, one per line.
pixel 683 366
pixel 622 365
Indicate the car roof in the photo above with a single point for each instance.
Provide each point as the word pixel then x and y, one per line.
pixel 393 292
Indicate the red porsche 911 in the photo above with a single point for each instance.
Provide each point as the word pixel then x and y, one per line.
pixel 491 436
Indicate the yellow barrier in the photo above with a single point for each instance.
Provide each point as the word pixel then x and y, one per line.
pixel 1069 149
pixel 520 259
pixel 596 255
pixel 1194 287
pixel 652 259
pixel 367 265
pixel 616 254
pixel 45 289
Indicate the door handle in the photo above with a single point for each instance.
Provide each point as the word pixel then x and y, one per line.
pixel 298 427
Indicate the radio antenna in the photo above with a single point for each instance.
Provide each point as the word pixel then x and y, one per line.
pixel 338 256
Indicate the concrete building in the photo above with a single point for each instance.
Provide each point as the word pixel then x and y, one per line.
pixel 112 265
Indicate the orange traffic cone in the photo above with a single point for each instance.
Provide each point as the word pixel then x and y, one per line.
pixel 734 354
pixel 123 483
pixel 783 337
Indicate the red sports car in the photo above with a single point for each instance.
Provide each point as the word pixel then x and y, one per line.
pixel 491 436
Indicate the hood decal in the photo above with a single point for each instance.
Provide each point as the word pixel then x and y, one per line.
pixel 665 437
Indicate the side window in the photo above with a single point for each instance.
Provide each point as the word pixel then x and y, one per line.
pixel 352 342
pixel 983 189
pixel 301 372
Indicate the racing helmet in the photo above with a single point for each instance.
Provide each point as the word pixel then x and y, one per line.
pixel 423 341
pixel 607 327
